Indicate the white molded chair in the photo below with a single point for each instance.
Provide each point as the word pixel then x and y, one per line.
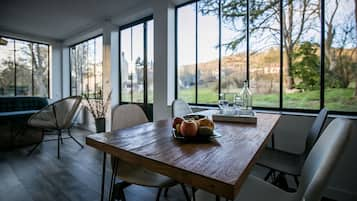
pixel 180 108
pixel 315 173
pixel 124 116
pixel 56 116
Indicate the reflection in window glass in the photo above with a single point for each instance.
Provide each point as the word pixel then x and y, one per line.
pixel 24 68
pixel 340 55
pixel 186 53
pixel 86 68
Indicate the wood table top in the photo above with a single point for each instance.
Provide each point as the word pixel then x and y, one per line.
pixel 220 166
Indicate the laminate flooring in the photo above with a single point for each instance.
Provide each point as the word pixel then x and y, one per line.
pixel 75 177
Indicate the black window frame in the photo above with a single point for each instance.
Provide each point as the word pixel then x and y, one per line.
pixel 145 104
pixel 70 67
pixel 48 62
pixel 280 108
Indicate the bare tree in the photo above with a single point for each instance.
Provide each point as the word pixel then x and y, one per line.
pixel 298 17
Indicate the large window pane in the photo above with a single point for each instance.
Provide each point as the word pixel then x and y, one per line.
pixel 86 68
pixel 233 47
pixel 7 68
pixel 186 53
pixel 150 60
pixel 40 69
pixel 207 54
pixel 340 55
pixel 23 64
pixel 125 61
pixel 137 54
pixel 24 68
pixel 137 63
pixel 98 66
pixel 301 28
pixel 264 53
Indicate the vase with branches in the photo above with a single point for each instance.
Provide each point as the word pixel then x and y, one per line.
pixel 98 108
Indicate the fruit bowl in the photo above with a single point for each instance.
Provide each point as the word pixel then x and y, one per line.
pixel 198 138
pixel 194 116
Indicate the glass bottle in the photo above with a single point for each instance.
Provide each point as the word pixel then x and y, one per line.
pixel 246 96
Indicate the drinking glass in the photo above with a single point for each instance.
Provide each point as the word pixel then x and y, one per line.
pixel 238 103
pixel 223 104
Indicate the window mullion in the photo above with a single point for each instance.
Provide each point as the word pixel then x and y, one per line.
pixel 196 44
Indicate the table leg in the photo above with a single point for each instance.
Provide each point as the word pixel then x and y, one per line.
pixel 103 177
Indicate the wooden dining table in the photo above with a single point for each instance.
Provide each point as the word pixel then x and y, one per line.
pixel 219 166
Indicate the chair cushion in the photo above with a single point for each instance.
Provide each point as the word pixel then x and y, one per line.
pixel 137 175
pixel 281 161
pixel 253 189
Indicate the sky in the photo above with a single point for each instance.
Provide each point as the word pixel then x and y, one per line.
pixel 208 33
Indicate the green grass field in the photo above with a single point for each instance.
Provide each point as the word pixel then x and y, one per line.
pixel 337 99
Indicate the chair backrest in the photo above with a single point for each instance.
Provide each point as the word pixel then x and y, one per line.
pixel 315 131
pixel 322 160
pixel 65 109
pixel 180 108
pixel 124 116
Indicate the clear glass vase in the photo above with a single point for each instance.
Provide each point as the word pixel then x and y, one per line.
pixel 247 98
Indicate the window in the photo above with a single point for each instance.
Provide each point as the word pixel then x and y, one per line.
pixel 24 68
pixel 86 59
pixel 137 62
pixel 291 61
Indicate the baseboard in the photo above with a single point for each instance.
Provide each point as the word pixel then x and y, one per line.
pixel 340 194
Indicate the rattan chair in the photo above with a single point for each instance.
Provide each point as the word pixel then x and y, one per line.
pixel 57 116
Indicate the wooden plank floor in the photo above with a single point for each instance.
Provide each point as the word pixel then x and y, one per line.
pixel 75 177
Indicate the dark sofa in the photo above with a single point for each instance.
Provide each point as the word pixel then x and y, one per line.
pixel 14 113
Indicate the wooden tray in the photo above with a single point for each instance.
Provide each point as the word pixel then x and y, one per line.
pixel 246 118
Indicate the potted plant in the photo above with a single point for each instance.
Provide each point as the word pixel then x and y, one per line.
pixel 98 108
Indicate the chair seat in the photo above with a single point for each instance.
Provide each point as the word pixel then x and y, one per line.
pixel 281 161
pixel 43 119
pixel 253 189
pixel 137 175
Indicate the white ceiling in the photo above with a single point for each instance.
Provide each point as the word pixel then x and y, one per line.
pixel 58 19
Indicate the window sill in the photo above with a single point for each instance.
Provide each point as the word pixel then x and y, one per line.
pixel 305 114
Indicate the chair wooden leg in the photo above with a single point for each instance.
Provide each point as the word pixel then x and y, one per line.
pixel 185 192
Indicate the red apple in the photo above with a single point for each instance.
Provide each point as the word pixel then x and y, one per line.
pixel 177 120
pixel 188 128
